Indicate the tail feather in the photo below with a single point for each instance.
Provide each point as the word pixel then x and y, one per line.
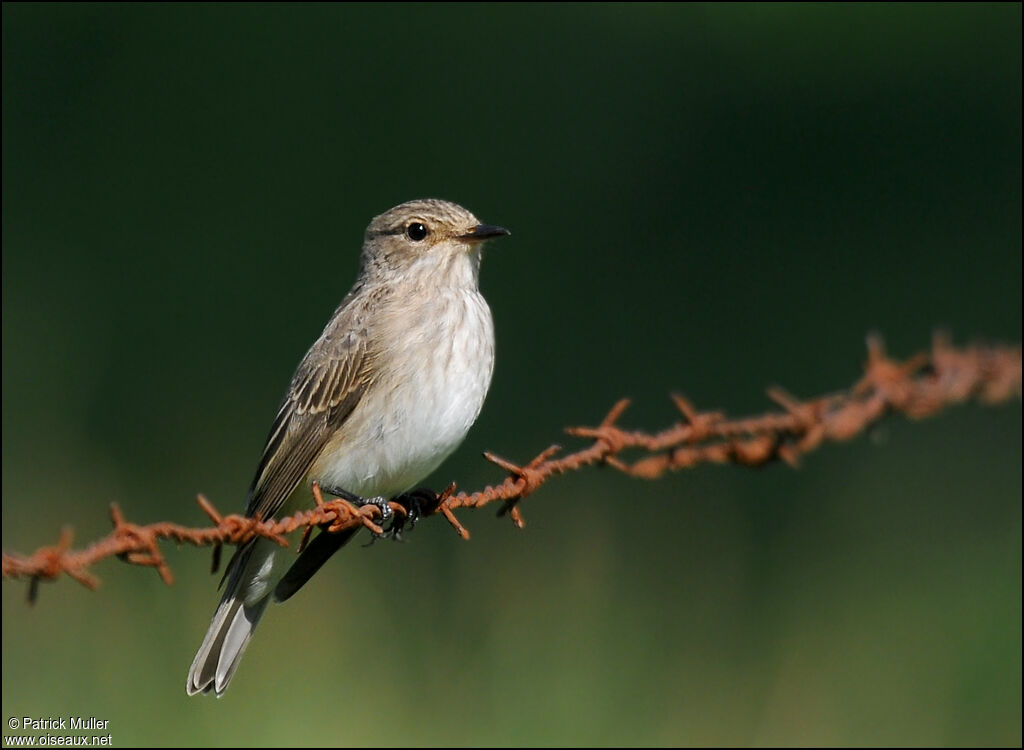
pixel 252 581
pixel 233 623
pixel 310 561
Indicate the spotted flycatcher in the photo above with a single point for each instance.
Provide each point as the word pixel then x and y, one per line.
pixel 385 394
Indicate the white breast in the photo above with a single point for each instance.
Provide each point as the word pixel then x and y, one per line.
pixel 430 388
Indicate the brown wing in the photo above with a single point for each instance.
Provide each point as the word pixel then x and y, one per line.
pixel 328 384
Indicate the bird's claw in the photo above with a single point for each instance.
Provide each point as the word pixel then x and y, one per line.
pixel 380 503
pixel 386 515
pixel 417 503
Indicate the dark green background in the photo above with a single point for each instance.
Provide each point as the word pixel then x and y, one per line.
pixel 708 199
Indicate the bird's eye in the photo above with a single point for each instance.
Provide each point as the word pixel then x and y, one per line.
pixel 416 231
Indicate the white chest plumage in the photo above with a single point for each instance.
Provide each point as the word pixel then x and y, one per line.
pixel 424 402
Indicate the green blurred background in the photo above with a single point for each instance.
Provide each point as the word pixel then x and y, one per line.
pixel 708 199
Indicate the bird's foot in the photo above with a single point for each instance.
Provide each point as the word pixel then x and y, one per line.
pixel 380 503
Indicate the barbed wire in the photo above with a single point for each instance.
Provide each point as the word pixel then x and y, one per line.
pixel 917 387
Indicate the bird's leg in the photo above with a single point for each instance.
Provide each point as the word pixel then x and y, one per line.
pixel 380 503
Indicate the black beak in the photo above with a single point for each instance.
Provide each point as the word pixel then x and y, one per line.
pixel 482 232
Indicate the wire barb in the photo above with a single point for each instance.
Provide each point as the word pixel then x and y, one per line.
pixel 917 387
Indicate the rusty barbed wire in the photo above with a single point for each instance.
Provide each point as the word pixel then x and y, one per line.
pixel 917 387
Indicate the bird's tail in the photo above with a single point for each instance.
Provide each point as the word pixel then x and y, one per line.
pixel 245 598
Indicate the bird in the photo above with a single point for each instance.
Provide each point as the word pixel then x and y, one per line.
pixel 384 395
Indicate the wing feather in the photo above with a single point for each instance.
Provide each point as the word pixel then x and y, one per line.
pixel 327 386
